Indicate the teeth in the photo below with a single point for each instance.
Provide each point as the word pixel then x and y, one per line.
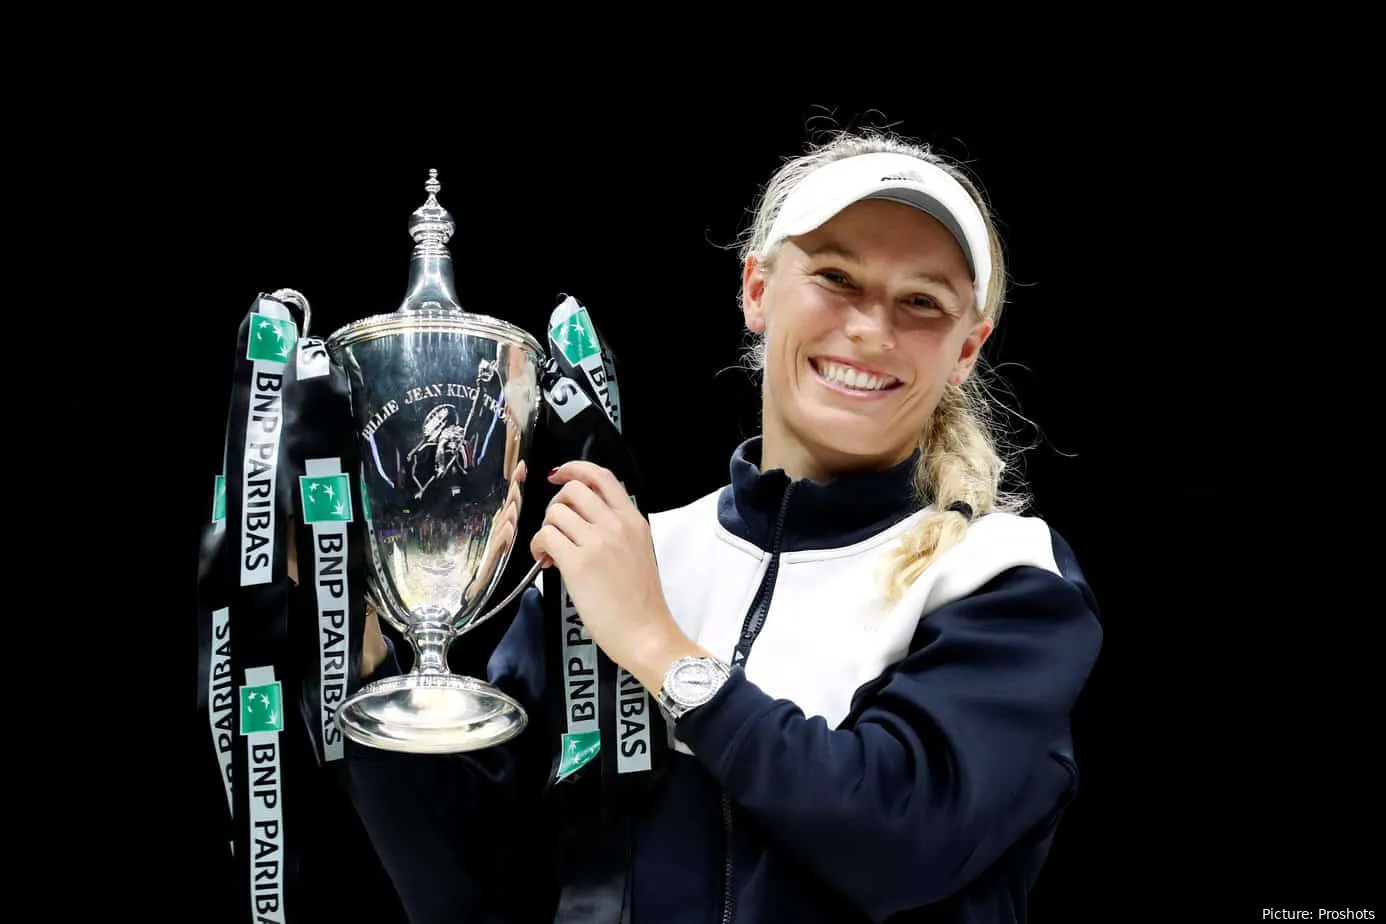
pixel 853 378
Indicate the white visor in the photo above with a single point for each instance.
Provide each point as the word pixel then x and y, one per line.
pixel 899 178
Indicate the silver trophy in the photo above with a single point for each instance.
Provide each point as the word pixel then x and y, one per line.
pixel 445 403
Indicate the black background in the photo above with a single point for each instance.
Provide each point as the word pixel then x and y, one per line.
pixel 1223 739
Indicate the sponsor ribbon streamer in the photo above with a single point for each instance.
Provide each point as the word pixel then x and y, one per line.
pixel 607 714
pixel 604 715
pixel 275 655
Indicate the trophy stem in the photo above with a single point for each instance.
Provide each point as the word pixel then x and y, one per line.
pixel 430 643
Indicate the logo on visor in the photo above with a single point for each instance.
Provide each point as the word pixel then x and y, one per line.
pixel 910 177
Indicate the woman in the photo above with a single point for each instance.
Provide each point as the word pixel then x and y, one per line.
pixel 867 655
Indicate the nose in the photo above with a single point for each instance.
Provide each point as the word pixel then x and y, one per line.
pixel 872 325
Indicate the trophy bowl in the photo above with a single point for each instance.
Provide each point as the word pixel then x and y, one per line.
pixel 444 405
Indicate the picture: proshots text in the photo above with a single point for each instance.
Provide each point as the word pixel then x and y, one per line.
pixel 1318 914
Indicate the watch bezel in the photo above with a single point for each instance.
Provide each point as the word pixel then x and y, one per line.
pixel 676 705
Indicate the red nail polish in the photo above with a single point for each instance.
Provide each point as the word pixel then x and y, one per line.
pixel 552 472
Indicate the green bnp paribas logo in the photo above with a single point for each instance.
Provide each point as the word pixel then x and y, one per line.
pixel 262 709
pixel 219 499
pixel 326 498
pixel 578 748
pixel 271 339
pixel 575 336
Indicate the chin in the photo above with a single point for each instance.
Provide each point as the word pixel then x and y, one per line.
pixel 847 432
pixel 844 449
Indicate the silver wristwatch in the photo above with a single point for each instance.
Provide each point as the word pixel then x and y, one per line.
pixel 690 682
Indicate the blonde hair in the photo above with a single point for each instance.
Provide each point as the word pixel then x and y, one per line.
pixel 963 454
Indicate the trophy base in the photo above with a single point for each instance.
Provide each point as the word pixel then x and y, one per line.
pixel 431 714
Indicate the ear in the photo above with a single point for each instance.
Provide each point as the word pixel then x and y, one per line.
pixel 753 294
pixel 971 351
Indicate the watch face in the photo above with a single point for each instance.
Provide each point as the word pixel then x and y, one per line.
pixel 692 683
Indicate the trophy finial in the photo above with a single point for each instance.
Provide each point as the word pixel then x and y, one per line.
pixel 430 267
pixel 431 219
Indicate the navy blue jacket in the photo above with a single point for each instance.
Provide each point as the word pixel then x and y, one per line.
pixel 868 761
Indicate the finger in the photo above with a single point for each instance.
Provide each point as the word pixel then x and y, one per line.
pixel 587 503
pixel 574 527
pixel 600 479
pixel 549 544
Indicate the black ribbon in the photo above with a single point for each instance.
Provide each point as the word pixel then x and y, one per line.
pixel 272 655
pixel 605 717
pixel 244 608
pixel 322 463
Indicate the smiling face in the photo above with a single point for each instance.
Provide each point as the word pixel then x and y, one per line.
pixel 866 320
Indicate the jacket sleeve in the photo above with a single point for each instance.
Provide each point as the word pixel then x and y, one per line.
pixel 437 822
pixel 932 775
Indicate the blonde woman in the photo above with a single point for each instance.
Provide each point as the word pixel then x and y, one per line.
pixel 866 651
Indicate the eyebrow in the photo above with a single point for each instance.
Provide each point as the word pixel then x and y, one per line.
pixel 834 248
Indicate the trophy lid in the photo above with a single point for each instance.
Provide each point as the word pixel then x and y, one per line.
pixel 430 304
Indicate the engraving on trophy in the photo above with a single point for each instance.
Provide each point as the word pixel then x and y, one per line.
pixel 445 444
pixel 450 446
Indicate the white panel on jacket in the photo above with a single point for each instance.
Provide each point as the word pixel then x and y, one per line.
pixel 829 630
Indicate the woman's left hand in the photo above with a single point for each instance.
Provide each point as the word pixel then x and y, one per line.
pixel 601 543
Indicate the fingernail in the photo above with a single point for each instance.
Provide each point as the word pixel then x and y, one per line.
pixel 552 472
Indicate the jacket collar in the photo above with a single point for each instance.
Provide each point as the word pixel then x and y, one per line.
pixel 840 512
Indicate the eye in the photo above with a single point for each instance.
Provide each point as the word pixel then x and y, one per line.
pixel 836 277
pixel 925 303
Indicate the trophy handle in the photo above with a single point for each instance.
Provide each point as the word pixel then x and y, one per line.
pixel 295 298
pixel 529 579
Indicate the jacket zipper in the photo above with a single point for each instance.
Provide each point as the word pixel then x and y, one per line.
pixel 750 628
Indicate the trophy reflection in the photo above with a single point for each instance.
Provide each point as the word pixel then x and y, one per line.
pixel 445 403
